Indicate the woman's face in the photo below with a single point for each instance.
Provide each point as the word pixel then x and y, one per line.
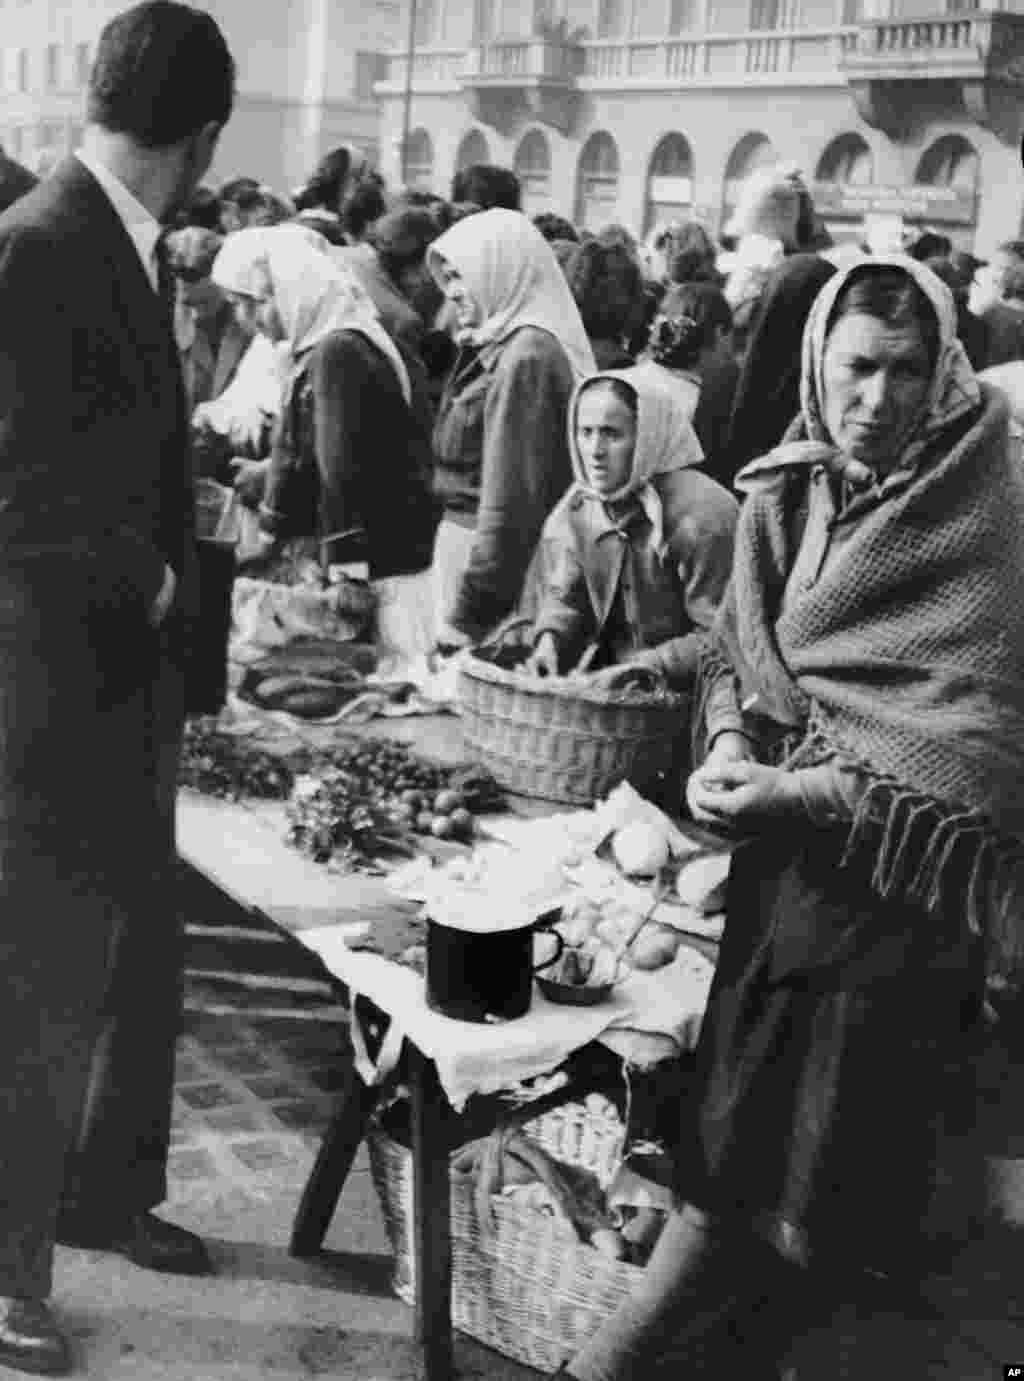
pixel 258 316
pixel 467 310
pixel 605 438
pixel 876 380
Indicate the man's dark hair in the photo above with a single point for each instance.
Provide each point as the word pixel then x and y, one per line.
pixel 162 71
pixel 488 186
pixel 554 227
pixel 363 205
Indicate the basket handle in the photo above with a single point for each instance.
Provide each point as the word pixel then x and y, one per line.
pixel 496 639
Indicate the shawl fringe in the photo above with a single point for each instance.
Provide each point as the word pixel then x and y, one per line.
pixel 943 858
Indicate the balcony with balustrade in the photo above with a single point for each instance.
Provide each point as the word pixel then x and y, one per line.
pixel 980 53
pixel 538 74
pixel 811 56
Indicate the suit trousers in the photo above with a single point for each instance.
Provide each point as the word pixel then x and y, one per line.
pixel 118 1161
pixel 78 846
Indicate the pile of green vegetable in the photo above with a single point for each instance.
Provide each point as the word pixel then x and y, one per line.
pixel 350 804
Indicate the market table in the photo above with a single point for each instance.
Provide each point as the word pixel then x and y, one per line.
pixel 240 848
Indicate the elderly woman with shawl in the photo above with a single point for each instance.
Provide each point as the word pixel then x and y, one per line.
pixel 639 550
pixel 864 715
pixel 500 439
pixel 348 481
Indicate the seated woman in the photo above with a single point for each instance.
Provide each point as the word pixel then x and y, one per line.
pixel 864 710
pixel 638 552
pixel 346 489
pixel 500 438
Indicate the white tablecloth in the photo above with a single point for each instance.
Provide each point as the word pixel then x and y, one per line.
pixel 481 1058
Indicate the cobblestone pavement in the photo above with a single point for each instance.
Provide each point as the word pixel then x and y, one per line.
pixel 263 1052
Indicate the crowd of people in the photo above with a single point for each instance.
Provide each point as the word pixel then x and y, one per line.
pixel 780 474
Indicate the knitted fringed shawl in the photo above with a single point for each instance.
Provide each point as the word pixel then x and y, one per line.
pixel 907 657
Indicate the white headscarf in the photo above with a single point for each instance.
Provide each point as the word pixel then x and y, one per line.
pixel 665 441
pixel 315 294
pixel 512 273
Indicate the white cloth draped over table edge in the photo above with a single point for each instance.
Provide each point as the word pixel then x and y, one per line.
pixel 484 1058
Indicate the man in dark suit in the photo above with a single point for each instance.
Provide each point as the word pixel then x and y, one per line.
pixel 96 583
pixel 15 180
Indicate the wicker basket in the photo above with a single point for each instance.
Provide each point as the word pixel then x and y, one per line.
pixel 529 1289
pixel 562 741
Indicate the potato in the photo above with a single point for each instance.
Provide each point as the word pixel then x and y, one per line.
pixel 545 946
pixel 654 947
pixel 640 849
pixel 605 967
pixel 702 880
pixel 574 929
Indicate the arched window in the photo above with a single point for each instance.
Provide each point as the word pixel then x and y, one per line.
pixel 950 162
pixel 753 151
pixel 532 166
pixel 598 183
pixel 848 160
pixel 669 181
pixel 419 161
pixel 473 149
pixel 949 169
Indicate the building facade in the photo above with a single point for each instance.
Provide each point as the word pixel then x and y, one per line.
pixel 306 74
pixel 642 110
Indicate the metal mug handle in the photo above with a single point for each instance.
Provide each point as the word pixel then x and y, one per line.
pixel 549 927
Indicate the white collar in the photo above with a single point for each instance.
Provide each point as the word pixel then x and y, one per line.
pixel 140 223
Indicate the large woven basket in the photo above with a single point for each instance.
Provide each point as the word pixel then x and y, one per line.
pixel 560 740
pixel 529 1288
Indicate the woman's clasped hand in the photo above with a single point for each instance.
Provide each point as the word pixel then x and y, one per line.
pixel 740 794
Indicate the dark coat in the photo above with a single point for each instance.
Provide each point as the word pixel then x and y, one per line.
pixel 502 447
pixel 95 500
pixel 15 181
pixel 352 461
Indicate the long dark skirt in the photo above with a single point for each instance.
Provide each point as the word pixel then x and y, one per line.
pixel 833 1053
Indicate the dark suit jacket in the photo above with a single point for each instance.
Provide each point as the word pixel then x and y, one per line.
pixel 15 181
pixel 93 432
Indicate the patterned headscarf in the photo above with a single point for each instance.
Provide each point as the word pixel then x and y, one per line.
pixel 512 273
pixel 952 393
pixel 314 292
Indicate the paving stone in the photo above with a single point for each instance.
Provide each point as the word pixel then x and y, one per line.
pixel 192 1165
pixel 234 1119
pixel 243 1060
pixel 207 1096
pixel 304 1115
pixel 269 1154
pixel 274 1086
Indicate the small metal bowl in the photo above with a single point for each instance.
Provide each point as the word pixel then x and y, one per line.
pixel 574 994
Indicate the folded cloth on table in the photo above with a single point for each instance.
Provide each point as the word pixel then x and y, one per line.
pixel 670 1002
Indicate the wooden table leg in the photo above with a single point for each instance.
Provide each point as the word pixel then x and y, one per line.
pixel 431 1216
pixel 334 1160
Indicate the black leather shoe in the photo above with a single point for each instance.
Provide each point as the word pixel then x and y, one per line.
pixel 30 1339
pixel 144 1238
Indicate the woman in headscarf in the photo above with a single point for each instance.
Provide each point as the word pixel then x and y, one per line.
pixel 501 436
pixel 347 486
pixel 767 395
pixel 690 349
pixel 638 552
pixel 864 710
